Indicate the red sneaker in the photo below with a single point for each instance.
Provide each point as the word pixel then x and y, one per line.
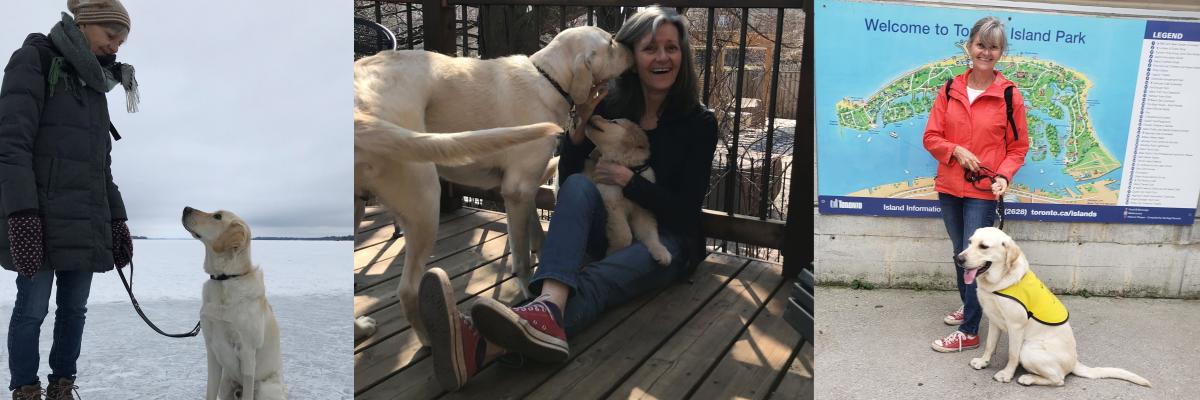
pixel 954 318
pixel 957 341
pixel 532 329
pixel 457 348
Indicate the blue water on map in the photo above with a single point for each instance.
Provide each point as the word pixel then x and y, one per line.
pixel 854 62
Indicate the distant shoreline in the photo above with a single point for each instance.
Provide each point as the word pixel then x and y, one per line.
pixel 324 238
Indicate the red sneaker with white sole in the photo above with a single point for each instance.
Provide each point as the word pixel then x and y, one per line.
pixel 957 341
pixel 532 329
pixel 458 350
pixel 954 318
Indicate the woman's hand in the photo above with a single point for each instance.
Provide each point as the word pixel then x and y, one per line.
pixel 999 186
pixel 966 158
pixel 611 173
pixel 584 110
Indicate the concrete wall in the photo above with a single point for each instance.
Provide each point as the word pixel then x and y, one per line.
pixel 1104 259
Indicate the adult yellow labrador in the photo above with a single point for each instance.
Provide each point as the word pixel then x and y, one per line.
pixel 240 331
pixel 1016 302
pixel 425 93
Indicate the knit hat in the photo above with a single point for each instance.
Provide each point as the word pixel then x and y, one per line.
pixel 99 12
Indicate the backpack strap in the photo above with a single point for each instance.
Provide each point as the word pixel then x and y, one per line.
pixel 1008 109
pixel 947 89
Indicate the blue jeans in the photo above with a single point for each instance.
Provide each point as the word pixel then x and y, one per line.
pixel 573 254
pixel 25 327
pixel 962 217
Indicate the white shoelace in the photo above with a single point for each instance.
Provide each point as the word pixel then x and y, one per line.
pixel 956 335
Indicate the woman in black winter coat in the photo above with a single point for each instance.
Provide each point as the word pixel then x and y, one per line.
pixel 63 216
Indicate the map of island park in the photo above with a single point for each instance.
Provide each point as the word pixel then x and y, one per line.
pixel 1051 90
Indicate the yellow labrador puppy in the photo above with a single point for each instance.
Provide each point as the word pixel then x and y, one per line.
pixel 1015 301
pixel 623 142
pixel 428 93
pixel 240 331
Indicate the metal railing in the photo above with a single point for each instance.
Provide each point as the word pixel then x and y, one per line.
pixel 752 52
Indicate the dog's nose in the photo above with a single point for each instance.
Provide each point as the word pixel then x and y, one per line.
pixel 959 258
pixel 188 210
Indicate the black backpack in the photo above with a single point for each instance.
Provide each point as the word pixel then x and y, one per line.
pixel 1007 105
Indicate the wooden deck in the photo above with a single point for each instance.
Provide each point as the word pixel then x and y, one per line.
pixel 721 337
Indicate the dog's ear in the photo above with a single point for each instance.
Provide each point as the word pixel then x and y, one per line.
pixel 1012 253
pixel 234 238
pixel 581 73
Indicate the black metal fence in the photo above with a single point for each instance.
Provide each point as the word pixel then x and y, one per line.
pixel 752 55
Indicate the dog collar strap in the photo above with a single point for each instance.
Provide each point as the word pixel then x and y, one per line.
pixel 222 277
pixel 638 170
pixel 557 87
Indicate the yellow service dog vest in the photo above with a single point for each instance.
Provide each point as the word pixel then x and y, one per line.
pixel 1039 303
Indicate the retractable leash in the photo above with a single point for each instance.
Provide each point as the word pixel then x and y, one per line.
pixel 129 289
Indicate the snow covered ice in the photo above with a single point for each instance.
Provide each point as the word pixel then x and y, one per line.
pixel 308 285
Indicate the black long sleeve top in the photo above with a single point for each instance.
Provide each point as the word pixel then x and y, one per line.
pixel 681 153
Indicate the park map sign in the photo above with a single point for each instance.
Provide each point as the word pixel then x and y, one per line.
pixel 1112 106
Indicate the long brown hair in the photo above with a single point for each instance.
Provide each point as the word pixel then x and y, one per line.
pixel 627 99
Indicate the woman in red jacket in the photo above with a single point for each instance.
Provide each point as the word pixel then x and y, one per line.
pixel 978 151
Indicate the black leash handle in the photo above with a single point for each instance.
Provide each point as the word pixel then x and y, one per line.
pixel 129 289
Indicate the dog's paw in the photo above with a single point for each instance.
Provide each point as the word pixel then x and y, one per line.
pixel 1026 379
pixel 364 327
pixel 979 363
pixel 1003 376
pixel 662 256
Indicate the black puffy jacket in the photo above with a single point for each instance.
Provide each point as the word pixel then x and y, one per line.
pixel 54 158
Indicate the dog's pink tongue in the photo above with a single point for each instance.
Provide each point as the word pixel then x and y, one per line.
pixel 969 275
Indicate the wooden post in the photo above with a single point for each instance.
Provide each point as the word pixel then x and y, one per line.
pixel 798 240
pixel 439 26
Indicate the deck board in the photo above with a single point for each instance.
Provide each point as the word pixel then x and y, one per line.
pixel 758 357
pixel 682 361
pixel 722 335
pixel 389 249
pixel 798 381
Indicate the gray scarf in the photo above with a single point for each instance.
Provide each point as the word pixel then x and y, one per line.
pixel 70 41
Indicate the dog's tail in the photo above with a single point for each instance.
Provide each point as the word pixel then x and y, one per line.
pixel 380 138
pixel 551 170
pixel 1101 372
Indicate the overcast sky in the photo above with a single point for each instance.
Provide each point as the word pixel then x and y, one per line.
pixel 245 106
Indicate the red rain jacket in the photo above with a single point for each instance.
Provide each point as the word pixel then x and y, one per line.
pixel 980 127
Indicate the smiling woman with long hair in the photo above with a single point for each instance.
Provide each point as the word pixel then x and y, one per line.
pixel 576 282
pixel 63 216
pixel 970 136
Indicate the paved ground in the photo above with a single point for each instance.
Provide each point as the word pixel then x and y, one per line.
pixel 874 344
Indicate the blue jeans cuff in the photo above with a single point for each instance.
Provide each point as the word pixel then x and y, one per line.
pixel 535 284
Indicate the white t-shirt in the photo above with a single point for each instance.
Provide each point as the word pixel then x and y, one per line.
pixel 972 94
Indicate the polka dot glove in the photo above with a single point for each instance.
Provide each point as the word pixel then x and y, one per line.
pixel 122 243
pixel 25 243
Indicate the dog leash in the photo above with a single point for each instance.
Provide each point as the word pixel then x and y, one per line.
pixel 1000 212
pixel 129 289
pixel 986 173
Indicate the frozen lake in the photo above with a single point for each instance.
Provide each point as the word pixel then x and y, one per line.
pixel 308 285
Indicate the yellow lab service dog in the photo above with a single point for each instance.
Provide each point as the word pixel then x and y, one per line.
pixel 1015 301
pixel 240 331
pixel 414 94
pixel 623 142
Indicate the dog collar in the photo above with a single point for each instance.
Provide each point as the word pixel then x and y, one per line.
pixel 638 170
pixel 222 277
pixel 557 87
